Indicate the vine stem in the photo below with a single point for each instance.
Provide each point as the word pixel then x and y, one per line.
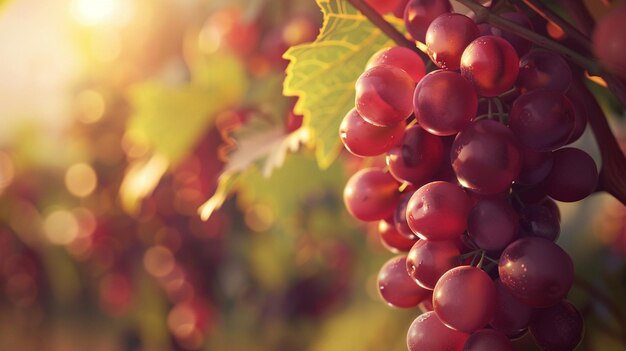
pixel 386 27
pixel 483 14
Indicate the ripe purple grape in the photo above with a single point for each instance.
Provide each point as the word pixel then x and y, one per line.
pixel 535 167
pixel 438 211
pixel 561 185
pixel 511 316
pixel 418 15
pixel 371 194
pixel 492 224
pixel 542 120
pixel 417 158
pixel 541 220
pixel 400 57
pixel 486 157
pixel 396 287
pixel 467 289
pixel 429 260
pixel 365 139
pixel 383 95
pixel 491 64
pixel 444 103
pixel 536 271
pixel 557 328
pixel 446 38
pixel 543 70
pixel 488 340
pixel 521 45
pixel 427 333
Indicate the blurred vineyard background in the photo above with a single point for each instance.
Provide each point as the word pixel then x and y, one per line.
pixel 118 117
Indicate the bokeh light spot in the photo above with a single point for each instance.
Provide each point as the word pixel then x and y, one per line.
pixel 81 180
pixel 61 227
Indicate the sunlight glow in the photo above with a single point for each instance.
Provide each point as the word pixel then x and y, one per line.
pixel 99 12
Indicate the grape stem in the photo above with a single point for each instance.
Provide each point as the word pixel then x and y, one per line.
pixel 483 14
pixel 386 27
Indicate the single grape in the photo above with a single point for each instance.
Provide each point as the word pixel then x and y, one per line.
pixel 488 340
pixel 536 271
pixel 543 120
pixel 573 177
pixel 491 64
pixel 511 317
pixel 467 289
pixel 543 70
pixel 383 6
pixel 398 12
pixel 371 194
pixel 429 260
pixel 427 333
pixel 399 216
pixel 396 287
pixel 535 167
pixel 365 139
pixel 444 103
pixel 492 224
pixel 486 157
pixel 521 45
pixel 418 14
pixel 400 57
pixel 446 38
pixel 609 41
pixel 427 304
pixel 557 328
pixel 438 211
pixel 417 158
pixel 392 240
pixel 541 219
pixel 383 95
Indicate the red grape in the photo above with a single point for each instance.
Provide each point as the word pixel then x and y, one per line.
pixel 511 317
pixel 573 176
pixel 535 167
pixel 392 239
pixel 521 45
pixel 429 260
pixel 383 95
pixel 468 289
pixel 427 333
pixel 543 70
pixel 418 14
pixel 371 194
pixel 557 328
pixel 365 139
pixel 536 271
pixel 396 287
pixel 400 57
pixel 399 216
pixel 446 38
pixel 491 64
pixel 488 340
pixel 383 6
pixel 492 224
pixel 444 103
pixel 438 211
pixel 417 158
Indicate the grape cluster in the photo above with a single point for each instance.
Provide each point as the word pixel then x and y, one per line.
pixel 475 155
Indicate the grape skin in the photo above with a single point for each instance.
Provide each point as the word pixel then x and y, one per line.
pixel 364 139
pixel 428 333
pixel 491 64
pixel 371 194
pixel 396 287
pixel 446 38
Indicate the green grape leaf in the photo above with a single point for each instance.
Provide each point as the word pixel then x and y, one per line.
pixel 323 73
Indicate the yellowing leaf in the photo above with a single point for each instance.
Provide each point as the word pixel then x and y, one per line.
pixel 322 74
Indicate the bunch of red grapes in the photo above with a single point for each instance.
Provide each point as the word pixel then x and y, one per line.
pixel 475 155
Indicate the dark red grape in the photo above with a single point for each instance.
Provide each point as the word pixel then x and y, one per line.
pixel 400 57
pixel 536 271
pixel 543 70
pixel 535 167
pixel 486 157
pixel 371 194
pixel 557 328
pixel 444 103
pixel 467 289
pixel 383 6
pixel 609 41
pixel 511 317
pixel 488 340
pixel 541 220
pixel 392 240
pixel 418 14
pixel 427 304
pixel 542 120
pixel 383 95
pixel 427 333
pixel 491 64
pixel 438 211
pixel 365 139
pixel 492 224
pixel 573 177
pixel 396 287
pixel 417 158
pixel 580 113
pixel 399 216
pixel 398 12
pixel 521 45
pixel 429 260
pixel 446 38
